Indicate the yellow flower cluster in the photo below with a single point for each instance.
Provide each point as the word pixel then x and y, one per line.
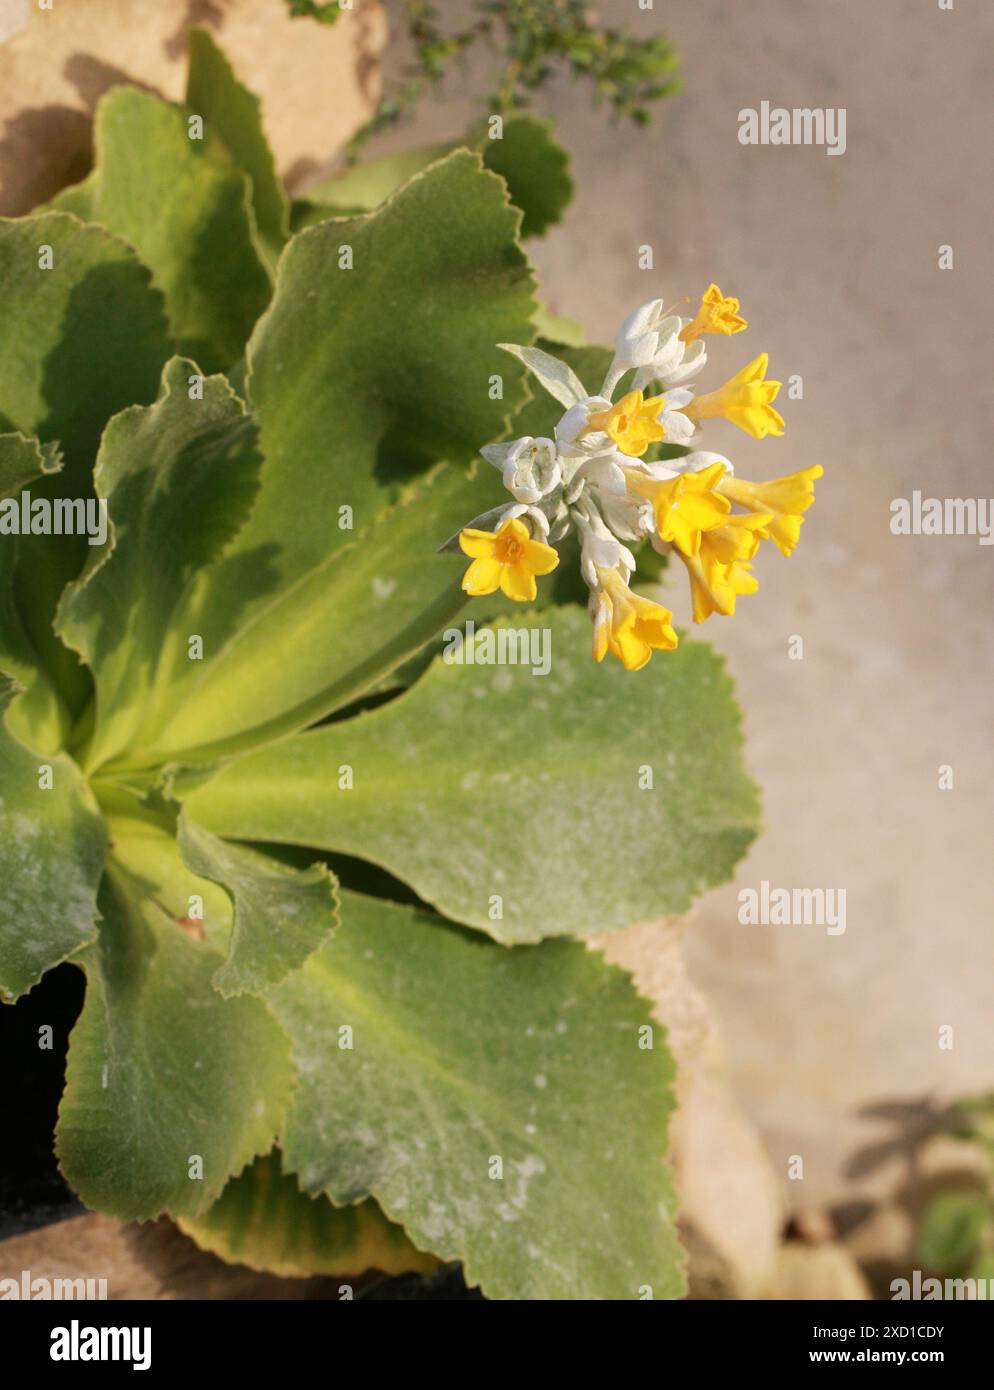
pixel 591 478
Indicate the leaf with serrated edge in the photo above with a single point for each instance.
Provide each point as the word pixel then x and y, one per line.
pixel 362 376
pixel 264 1221
pixel 52 843
pixel 158 467
pixel 455 795
pixel 359 379
pixel 37 715
pixel 78 342
pixel 22 460
pixel 228 107
pixel 282 914
pixel 186 208
pixel 463 1053
pixel 534 166
pixel 162 1069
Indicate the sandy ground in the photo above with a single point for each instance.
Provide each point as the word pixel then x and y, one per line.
pixel 836 262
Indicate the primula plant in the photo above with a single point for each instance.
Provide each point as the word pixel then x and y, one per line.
pixel 332 892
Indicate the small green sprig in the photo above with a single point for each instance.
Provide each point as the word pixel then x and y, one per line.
pixel 534 39
pixel 324 11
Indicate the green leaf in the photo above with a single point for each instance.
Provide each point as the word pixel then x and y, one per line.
pixel 21 461
pixel 367 185
pixel 37 715
pixel 328 638
pixel 951 1230
pixel 186 208
pixel 228 107
pixel 282 914
pixel 464 1053
pixel 162 1070
pixel 179 478
pixel 51 851
pixel 362 376
pixel 359 380
pixel 487 786
pixel 534 166
pixel 560 331
pixel 78 342
pixel 264 1221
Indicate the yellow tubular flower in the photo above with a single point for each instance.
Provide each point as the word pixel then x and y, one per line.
pixel 628 626
pixel 745 400
pixel 723 570
pixel 784 498
pixel 631 423
pixel 507 559
pixel 686 506
pixel 718 314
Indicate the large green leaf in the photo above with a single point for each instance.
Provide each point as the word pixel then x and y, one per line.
pixel 187 209
pixel 38 715
pixel 282 914
pixel 235 113
pixel 462 1053
pixel 324 640
pixel 263 1220
pixel 359 378
pixel 535 168
pixel 489 789
pixel 52 842
pixel 78 342
pixel 179 478
pixel 162 1070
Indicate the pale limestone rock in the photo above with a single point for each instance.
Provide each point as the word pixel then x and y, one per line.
pixel 14 15
pixel 731 1210
pixel 826 1271
pixel 317 83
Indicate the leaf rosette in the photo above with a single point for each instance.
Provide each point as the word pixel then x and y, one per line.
pixel 244 790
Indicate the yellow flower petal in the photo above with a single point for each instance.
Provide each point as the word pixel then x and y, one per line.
pixel 482 577
pixel 631 423
pixel 784 499
pixel 746 400
pixel 686 506
pixel 627 625
pixel 541 558
pixel 517 583
pixel 507 559
pixel 718 314
pixel 477 543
